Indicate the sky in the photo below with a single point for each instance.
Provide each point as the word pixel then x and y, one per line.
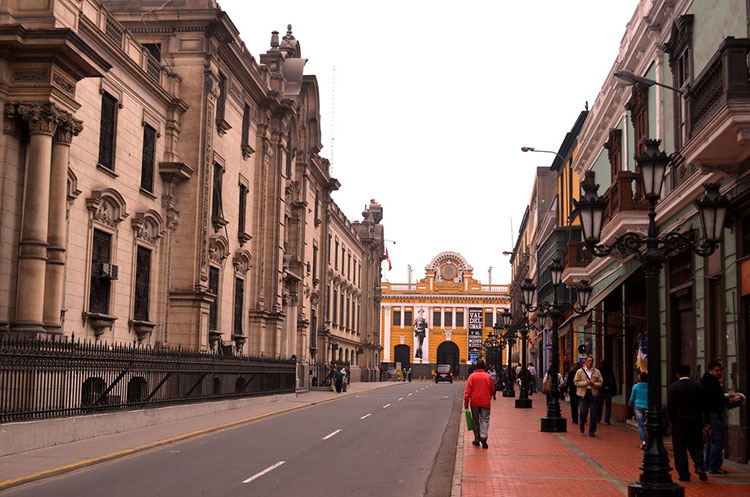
pixel 425 106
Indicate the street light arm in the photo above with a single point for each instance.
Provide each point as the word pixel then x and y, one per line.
pixel 671 243
pixel 532 149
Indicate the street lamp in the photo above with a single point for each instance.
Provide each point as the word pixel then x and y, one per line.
pixel 554 422
pixel 628 78
pixel 651 250
pixel 532 149
pixel 510 340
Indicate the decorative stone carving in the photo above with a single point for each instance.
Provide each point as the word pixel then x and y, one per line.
pixel 67 128
pixel 218 249
pixel 148 226
pixel 107 207
pixel 101 323
pixel 41 118
pixel 241 261
pixel 143 329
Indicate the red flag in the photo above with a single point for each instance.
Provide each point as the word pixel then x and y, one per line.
pixel 388 258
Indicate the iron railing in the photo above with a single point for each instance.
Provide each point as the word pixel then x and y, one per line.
pixel 45 379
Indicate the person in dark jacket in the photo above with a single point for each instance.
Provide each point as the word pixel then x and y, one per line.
pixel 570 386
pixel 688 415
pixel 715 405
pixel 609 390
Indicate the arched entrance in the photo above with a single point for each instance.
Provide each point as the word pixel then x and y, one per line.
pixel 447 353
pixel 402 354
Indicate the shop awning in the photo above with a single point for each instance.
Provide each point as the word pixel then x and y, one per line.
pixel 577 320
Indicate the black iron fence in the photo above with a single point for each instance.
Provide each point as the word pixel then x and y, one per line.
pixel 45 379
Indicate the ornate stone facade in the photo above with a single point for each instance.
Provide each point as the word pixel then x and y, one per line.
pixel 223 247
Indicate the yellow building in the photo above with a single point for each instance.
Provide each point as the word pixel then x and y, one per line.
pixel 430 322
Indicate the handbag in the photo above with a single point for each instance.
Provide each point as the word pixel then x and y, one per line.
pixel 469 421
pixel 547 385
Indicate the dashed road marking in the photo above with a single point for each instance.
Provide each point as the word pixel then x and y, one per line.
pixel 366 415
pixel 331 434
pixel 387 405
pixel 267 470
pixel 400 398
pixel 408 395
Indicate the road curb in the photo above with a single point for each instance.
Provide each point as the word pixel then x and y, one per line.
pixel 14 482
pixel 458 468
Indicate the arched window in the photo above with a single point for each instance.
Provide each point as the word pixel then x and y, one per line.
pixel 217 385
pixel 92 390
pixel 136 389
pixel 239 385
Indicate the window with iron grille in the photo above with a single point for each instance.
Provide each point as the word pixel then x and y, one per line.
pixel 147 159
pixel 239 299
pixel 317 201
pixel 243 209
pixel 334 305
pixel 329 249
pixel 216 209
pixel 213 287
pixel 448 321
pixel 328 303
pixel 348 313
pixel 100 286
pixel 341 307
pixel 436 318
pixel 336 256
pixel 221 103
pixel 107 131
pixel 246 125
pixel 315 261
pixel 142 284
pixel 349 266
pixel 488 319
pixel 354 280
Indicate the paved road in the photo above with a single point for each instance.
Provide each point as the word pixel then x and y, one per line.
pixel 384 442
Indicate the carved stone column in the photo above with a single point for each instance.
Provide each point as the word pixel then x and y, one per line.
pixel 42 120
pixel 57 229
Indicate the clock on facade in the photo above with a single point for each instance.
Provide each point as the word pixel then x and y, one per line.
pixel 449 272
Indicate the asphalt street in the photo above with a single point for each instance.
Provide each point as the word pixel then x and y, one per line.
pixel 384 442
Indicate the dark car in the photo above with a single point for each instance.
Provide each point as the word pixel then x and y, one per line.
pixel 443 372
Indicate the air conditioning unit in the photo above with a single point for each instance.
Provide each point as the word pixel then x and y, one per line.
pixel 108 271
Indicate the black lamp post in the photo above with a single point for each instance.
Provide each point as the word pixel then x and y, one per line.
pixel 510 340
pixel 554 422
pixel 651 250
pixel 523 401
pixel 491 345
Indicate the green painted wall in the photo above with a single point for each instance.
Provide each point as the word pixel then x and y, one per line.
pixel 602 171
pixel 714 21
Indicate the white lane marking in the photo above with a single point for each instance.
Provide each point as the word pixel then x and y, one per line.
pixel 267 470
pixel 409 395
pixel 331 434
pixel 366 415
pixel 401 398
pixel 387 405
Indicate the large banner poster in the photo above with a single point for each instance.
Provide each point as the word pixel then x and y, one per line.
pixel 475 334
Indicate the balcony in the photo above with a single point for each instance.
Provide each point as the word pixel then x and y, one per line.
pixel 575 254
pixel 719 114
pixel 623 195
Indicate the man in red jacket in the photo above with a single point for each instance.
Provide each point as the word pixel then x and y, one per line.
pixel 479 391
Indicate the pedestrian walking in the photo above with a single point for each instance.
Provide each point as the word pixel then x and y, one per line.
pixel 609 389
pixel 493 375
pixel 478 393
pixel 408 374
pixel 639 400
pixel 588 381
pixel 716 404
pixel 570 386
pixel 531 375
pixel 338 378
pixel 547 383
pixel 686 409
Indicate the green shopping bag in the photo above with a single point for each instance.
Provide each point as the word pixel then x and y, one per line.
pixel 469 423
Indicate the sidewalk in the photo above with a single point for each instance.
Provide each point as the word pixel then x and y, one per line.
pixel 24 467
pixel 523 461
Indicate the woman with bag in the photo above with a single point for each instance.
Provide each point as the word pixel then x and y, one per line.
pixel 547 383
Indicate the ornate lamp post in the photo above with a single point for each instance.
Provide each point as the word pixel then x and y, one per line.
pixel 554 422
pixel 510 340
pixel 523 401
pixel 490 345
pixel 651 250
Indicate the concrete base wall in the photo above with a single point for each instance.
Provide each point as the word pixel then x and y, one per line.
pixel 29 435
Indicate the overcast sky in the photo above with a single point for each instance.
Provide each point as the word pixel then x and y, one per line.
pixel 433 101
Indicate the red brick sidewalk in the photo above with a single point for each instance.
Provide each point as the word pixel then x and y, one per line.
pixel 523 461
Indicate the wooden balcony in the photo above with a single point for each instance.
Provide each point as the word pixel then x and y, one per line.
pixel 623 195
pixel 575 254
pixel 723 80
pixel 719 110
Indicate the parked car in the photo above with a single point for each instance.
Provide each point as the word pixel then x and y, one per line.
pixel 443 372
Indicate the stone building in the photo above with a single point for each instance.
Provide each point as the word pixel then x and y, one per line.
pixel 162 185
pixel 447 298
